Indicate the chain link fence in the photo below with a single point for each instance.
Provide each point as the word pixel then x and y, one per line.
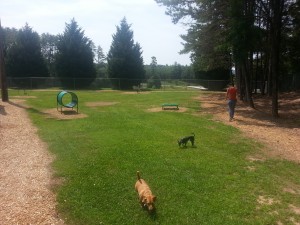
pixel 30 83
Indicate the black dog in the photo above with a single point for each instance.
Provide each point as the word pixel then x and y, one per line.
pixel 183 141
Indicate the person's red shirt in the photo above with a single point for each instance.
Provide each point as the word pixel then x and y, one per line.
pixel 231 93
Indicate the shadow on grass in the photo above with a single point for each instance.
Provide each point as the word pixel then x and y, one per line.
pixel 33 110
pixel 17 105
pixel 188 147
pixel 68 112
pixel 153 215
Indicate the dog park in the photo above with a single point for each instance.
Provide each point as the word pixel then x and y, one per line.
pixel 69 167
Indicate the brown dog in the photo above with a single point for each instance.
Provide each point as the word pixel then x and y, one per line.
pixel 146 197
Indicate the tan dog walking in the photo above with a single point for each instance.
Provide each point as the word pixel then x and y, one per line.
pixel 146 197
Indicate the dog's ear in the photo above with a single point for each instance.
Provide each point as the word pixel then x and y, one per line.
pixel 153 198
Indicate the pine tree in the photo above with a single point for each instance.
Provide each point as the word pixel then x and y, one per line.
pixel 125 61
pixel 24 57
pixel 48 45
pixel 74 58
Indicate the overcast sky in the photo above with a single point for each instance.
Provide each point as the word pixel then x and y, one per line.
pixel 154 30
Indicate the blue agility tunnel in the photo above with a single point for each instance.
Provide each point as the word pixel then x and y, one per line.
pixel 72 100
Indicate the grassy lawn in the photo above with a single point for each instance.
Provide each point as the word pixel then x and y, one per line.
pixel 213 183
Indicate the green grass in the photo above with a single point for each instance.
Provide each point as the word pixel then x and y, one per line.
pixel 97 158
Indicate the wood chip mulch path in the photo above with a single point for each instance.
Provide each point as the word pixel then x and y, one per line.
pixel 25 172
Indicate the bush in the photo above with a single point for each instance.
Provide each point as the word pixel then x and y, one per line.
pixel 154 82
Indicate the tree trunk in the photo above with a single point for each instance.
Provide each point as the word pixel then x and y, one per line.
pixel 239 82
pixel 3 83
pixel 263 75
pixel 247 80
pixel 256 72
pixel 276 26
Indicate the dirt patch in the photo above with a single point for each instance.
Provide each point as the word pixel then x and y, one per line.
pixel 67 114
pixel 263 200
pixel 108 90
pixel 97 104
pixel 135 92
pixel 159 109
pixel 280 136
pixel 24 96
pixel 295 209
pixel 292 188
pixel 255 158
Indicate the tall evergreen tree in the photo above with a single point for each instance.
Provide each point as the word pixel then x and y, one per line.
pixel 24 57
pixel 153 65
pixel 48 45
pixel 125 61
pixel 100 62
pixel 293 40
pixel 100 56
pixel 74 57
pixel 206 33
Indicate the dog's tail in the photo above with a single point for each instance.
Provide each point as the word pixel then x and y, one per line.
pixel 138 175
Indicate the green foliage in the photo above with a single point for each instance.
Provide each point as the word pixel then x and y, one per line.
pixel 214 183
pixel 101 65
pixel 48 48
pixel 292 40
pixel 175 71
pixel 23 53
pixel 100 56
pixel 10 38
pixel 74 57
pixel 242 30
pixel 206 35
pixel 125 59
pixel 153 65
pixel 216 74
pixel 154 82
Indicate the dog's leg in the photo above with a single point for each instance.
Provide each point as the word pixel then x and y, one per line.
pixel 192 141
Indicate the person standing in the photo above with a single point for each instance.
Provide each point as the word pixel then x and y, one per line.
pixel 231 97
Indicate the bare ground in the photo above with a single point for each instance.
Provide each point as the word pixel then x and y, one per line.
pixel 281 137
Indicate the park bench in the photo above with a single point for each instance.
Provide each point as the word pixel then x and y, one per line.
pixel 170 106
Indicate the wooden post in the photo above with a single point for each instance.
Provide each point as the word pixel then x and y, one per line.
pixel 3 82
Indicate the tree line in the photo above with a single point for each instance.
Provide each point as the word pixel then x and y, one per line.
pixel 260 38
pixel 73 55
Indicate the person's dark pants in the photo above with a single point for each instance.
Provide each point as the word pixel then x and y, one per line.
pixel 231 108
